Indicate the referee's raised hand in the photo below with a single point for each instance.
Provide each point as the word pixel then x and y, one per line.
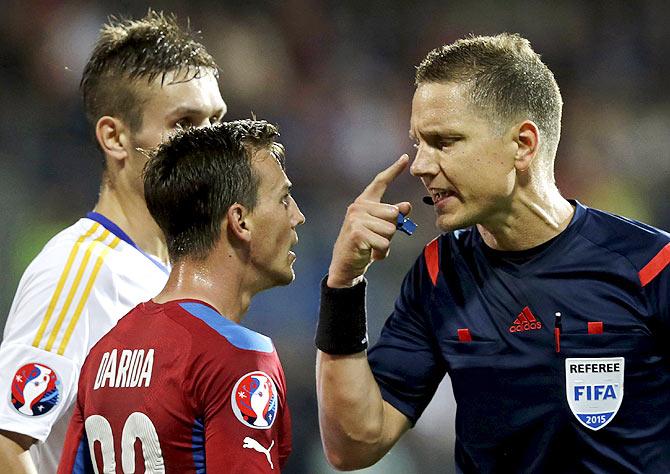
pixel 367 229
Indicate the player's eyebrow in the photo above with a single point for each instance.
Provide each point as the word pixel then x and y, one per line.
pixel 186 111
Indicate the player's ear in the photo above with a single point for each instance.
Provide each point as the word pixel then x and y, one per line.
pixel 527 138
pixel 238 222
pixel 113 137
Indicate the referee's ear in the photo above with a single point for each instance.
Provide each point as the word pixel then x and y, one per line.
pixel 237 225
pixel 527 138
pixel 112 137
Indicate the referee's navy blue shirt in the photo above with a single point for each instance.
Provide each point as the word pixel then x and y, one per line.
pixel 488 317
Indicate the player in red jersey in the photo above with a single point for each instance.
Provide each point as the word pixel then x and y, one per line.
pixel 178 373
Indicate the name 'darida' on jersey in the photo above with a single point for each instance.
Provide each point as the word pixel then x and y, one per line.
pixel 127 369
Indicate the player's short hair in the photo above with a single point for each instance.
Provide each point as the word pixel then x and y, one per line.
pixel 509 82
pixel 131 52
pixel 192 180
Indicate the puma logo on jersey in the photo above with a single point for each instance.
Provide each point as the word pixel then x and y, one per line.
pixel 132 369
pixel 256 446
pixel 525 321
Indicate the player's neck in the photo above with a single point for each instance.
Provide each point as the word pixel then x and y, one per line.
pixel 531 219
pixel 216 281
pixel 128 210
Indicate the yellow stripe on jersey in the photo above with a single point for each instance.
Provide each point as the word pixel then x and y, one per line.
pixel 84 296
pixel 74 288
pixel 61 283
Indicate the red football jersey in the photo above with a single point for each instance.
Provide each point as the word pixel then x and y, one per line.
pixel 177 387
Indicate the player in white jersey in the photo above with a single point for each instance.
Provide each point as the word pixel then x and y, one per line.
pixel 94 272
pixel 84 279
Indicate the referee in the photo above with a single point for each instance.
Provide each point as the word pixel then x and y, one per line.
pixel 551 318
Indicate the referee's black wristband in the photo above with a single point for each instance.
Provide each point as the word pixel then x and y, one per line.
pixel 342 327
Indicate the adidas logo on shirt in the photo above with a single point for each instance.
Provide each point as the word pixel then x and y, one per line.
pixel 525 321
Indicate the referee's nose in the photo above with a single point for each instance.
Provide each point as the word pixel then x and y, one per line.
pixel 425 162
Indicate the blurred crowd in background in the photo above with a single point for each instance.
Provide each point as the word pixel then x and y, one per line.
pixel 337 76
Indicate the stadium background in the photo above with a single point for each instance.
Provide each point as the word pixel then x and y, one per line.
pixel 337 77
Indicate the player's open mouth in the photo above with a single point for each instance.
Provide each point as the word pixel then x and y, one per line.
pixel 291 253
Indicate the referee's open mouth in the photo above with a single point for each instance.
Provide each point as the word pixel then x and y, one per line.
pixel 440 196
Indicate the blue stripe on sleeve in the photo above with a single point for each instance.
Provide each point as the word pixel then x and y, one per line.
pixel 82 462
pixel 237 335
pixel 198 441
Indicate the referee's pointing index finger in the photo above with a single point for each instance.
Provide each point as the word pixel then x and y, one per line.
pixel 376 189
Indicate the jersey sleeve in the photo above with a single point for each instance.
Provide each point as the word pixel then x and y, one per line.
pixel 246 418
pixel 47 336
pixel 404 360
pixel 655 279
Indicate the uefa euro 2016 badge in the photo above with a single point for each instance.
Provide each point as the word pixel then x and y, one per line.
pixel 594 388
pixel 36 389
pixel 254 400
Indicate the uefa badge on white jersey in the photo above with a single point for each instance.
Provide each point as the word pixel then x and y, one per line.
pixel 36 389
pixel 594 388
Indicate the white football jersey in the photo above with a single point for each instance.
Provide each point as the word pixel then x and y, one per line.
pixel 82 282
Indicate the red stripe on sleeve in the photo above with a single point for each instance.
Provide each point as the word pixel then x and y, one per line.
pixel 655 265
pixel 432 255
pixel 595 327
pixel 464 335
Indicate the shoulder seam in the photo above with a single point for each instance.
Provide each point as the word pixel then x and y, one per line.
pixel 229 330
pixel 610 250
